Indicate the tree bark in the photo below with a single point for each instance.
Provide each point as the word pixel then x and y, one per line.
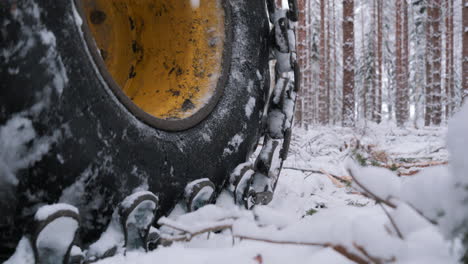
pixel 465 50
pixel 402 95
pixel 428 91
pixel 302 60
pixel 322 100
pixel 436 64
pixel 329 64
pixel 348 63
pixel 378 70
pixel 335 93
pixel 449 86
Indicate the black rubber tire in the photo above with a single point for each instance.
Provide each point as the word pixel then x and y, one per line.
pixel 97 151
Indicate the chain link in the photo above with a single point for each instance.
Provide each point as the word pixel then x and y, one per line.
pixel 255 183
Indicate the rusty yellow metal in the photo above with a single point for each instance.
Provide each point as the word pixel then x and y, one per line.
pixel 166 55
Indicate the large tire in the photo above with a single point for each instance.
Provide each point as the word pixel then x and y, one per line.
pixel 65 136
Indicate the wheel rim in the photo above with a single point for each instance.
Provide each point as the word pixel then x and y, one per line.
pixel 165 60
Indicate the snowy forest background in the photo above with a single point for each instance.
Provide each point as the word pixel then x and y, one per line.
pixel 381 60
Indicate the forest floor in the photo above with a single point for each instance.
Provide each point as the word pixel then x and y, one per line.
pixel 317 214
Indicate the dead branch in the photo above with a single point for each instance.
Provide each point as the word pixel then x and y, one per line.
pixel 342 179
pixel 392 221
pixel 369 193
pixel 188 235
pixel 414 165
pixel 303 170
pixel 338 248
pixel 374 259
pixel 351 256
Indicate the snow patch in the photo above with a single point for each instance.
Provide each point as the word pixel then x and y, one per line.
pixel 57 236
pixel 250 106
pixel 130 200
pixel 206 137
pixel 24 253
pixel 233 144
pixel 47 210
pixel 16 151
pixel 191 185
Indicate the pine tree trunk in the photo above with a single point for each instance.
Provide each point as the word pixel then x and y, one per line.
pixel 465 49
pixel 335 93
pixel 449 88
pixel 428 112
pixel 373 70
pixel 378 71
pixel 348 63
pixel 363 104
pixel 402 95
pixel 436 64
pixel 406 56
pixel 302 60
pixel 322 100
pixel 452 62
pixel 328 62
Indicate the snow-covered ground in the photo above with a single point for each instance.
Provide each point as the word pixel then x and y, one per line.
pixel 319 216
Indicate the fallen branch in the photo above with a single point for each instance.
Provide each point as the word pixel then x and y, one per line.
pixel 413 165
pixel 379 200
pixel 370 194
pixel 342 179
pixel 374 259
pixel 392 221
pixel 188 234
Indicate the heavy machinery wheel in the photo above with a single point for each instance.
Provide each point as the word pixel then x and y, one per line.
pixel 100 98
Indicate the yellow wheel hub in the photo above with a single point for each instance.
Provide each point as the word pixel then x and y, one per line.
pixel 166 55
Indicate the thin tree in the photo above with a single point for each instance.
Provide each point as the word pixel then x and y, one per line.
pixel 449 76
pixel 329 64
pixel 402 93
pixel 333 75
pixel 429 55
pixel 348 63
pixel 465 49
pixel 323 91
pixel 378 70
pixel 302 60
pixel 436 63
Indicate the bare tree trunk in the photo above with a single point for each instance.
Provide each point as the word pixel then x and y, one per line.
pixel 428 112
pixel 402 95
pixel 335 93
pixel 436 64
pixel 449 87
pixel 465 49
pixel 348 63
pixel 406 56
pixel 373 70
pixel 378 71
pixel 363 104
pixel 302 60
pixel 322 104
pixel 311 57
pixel 328 61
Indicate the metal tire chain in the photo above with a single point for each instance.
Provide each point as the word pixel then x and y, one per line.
pixel 253 184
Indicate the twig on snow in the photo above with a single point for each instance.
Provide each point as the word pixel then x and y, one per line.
pixel 392 221
pixel 369 193
pixel 374 259
pixel 341 179
pixel 189 234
